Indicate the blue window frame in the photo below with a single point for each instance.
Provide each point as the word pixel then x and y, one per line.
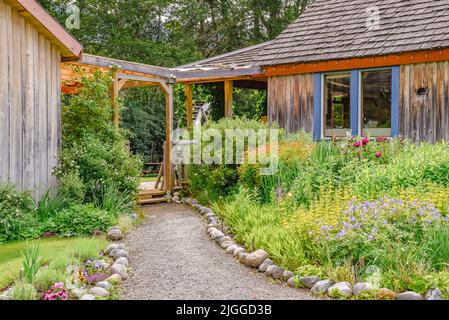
pixel 357 94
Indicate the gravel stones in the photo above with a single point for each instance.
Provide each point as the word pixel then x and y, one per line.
pixel 434 294
pixel 255 259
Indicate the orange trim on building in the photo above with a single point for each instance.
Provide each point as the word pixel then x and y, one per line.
pixel 359 63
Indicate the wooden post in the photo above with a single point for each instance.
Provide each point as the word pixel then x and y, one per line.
pixel 229 98
pixel 188 89
pixel 115 91
pixel 168 177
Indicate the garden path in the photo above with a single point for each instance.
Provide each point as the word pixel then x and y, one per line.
pixel 173 259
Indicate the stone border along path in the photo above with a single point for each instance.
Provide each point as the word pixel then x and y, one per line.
pixel 174 259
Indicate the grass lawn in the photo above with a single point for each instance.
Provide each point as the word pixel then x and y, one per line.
pixel 11 257
pixel 148 179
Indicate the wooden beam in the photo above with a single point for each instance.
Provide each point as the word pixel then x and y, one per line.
pixel 229 98
pixel 188 90
pixel 251 84
pixel 359 63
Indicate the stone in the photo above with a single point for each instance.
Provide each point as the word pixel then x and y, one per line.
pixel 212 225
pixel 255 259
pixel 134 216
pixel 287 275
pixel 123 261
pixel 238 251
pixel 110 248
pixel 340 290
pixel 242 257
pixel 216 234
pixel 76 292
pixel 115 279
pixel 121 254
pixel 321 287
pixel 100 292
pixel 5 295
pixel 120 270
pixel 224 239
pixel 211 219
pixel 175 199
pixel 193 202
pixel 104 284
pixel 114 235
pixel 293 282
pixel 362 287
pixel 409 295
pixel 231 249
pixel 309 281
pixel 87 297
pixel 176 194
pixel 264 266
pixel 227 244
pixel 275 272
pixel 385 294
pixel 434 294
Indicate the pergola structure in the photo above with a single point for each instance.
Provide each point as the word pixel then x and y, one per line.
pixel 237 69
pixel 128 75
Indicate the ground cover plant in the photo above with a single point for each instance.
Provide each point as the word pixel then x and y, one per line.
pixel 341 209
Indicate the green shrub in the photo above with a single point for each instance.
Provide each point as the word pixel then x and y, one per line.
pixel 49 205
pixel 17 220
pixel 71 187
pixel 22 290
pixel 80 220
pixel 110 199
pixel 60 263
pixel 31 262
pixel 46 277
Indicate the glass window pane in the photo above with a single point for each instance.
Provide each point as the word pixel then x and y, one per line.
pixel 337 105
pixel 376 102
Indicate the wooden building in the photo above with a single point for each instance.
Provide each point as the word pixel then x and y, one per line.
pixel 371 68
pixel 32 46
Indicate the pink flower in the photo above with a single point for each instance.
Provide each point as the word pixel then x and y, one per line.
pixel 365 141
pixel 378 155
pixel 58 285
pixel 357 144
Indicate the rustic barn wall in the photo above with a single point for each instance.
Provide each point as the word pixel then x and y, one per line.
pixel 425 117
pixel 290 102
pixel 29 104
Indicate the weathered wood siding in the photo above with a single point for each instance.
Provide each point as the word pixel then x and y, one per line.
pixel 290 102
pixel 29 104
pixel 424 117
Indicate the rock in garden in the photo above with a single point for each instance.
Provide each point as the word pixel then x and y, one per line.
pixel 216 234
pixel 287 275
pixel 224 239
pixel 321 287
pixel 264 266
pixel 114 235
pixel 176 199
pixel 110 248
pixel 227 244
pixel 115 279
pixel 193 201
pixel 293 282
pixel 385 294
pixel 122 254
pixel 120 270
pixel 309 281
pixel 212 225
pixel 242 257
pixel 123 261
pixel 434 294
pixel 5 295
pixel 362 287
pixel 211 219
pixel 100 292
pixel 340 290
pixel 231 249
pixel 409 295
pixel 104 284
pixel 134 216
pixel 87 297
pixel 255 259
pixel 238 251
pixel 275 272
pixel 76 292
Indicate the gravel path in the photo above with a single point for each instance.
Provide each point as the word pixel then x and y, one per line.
pixel 173 259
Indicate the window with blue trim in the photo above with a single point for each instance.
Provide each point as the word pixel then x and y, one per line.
pixel 361 102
